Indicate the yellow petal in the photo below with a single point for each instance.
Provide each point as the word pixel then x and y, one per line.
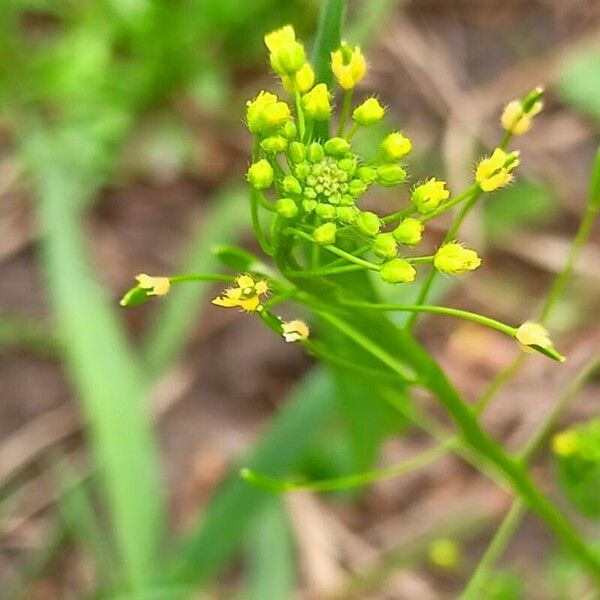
pixel 244 281
pixel 225 301
pixel 261 287
pixel 249 304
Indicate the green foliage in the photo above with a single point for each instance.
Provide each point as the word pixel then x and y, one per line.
pixel 579 84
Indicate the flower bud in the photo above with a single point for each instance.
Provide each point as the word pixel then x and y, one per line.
pixel 316 103
pixel 302 170
pixel 286 208
pixel 304 79
pixel 288 58
pixel 395 146
pixel 368 223
pixel 326 211
pixel 397 270
pixel 390 175
pixel 367 174
pixel 494 172
pixel 347 200
pixel 518 114
pixel 315 152
pixel 291 185
pixel 348 165
pixel 324 235
pixel 266 113
pixel 309 205
pixel 384 245
pixel 347 214
pixel 337 146
pixel 428 196
pixel 274 144
pixel 453 259
pixel 260 175
pixel 348 65
pixel 409 231
pixel 290 131
pixel 368 113
pixel 357 188
pixel 565 443
pixel 297 152
pixel 295 331
pixel 279 37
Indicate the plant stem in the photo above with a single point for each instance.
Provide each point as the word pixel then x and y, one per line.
pixel 346 108
pixel 199 277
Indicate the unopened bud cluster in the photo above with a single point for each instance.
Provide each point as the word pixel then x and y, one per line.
pixel 316 184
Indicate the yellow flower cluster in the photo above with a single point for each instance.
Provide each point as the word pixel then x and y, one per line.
pixel 246 294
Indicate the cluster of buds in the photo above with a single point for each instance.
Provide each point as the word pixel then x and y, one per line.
pixel 315 185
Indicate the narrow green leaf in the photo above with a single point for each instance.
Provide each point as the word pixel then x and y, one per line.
pixel 328 38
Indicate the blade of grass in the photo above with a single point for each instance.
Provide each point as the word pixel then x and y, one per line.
pixel 212 543
pixel 103 367
pixel 270 554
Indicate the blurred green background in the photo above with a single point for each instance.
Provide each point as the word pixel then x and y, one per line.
pixel 122 150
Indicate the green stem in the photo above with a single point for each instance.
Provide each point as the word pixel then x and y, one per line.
pixel 199 277
pixel 398 215
pixel 346 108
pixel 324 272
pixel 299 111
pixel 335 250
pixel 442 310
pixel 343 483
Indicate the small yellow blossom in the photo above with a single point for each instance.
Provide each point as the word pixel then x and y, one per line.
pixel 533 334
pixel 154 286
pixel 518 114
pixel 295 331
pixel 304 79
pixel 396 145
pixel 453 259
pixel 565 443
pixel 445 553
pixel 368 113
pixel 317 104
pixel 428 196
pixel 266 112
pixel 348 65
pixel 279 37
pixel 246 295
pixel 494 172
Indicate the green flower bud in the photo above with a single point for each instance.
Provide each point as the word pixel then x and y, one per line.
pixel 324 235
pixel 291 185
pixel 347 200
pixel 289 130
pixel 453 259
pixel 302 171
pixel 347 214
pixel 348 165
pixel 310 193
pixel 326 211
pixel 368 223
pixel 309 205
pixel 397 270
pixel 260 175
pixel 390 175
pixel 396 145
pixel 286 207
pixel 274 144
pixel 368 113
pixel 357 188
pixel 266 113
pixel 367 174
pixel 297 152
pixel 288 58
pixel 315 152
pixel 337 146
pixel 316 103
pixel 409 231
pixel 384 245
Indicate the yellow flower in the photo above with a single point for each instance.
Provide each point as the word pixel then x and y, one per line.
pixel 396 145
pixel 533 334
pixel 565 443
pixel 304 79
pixel 295 331
pixel 494 172
pixel 316 103
pixel 428 196
pixel 348 65
pixel 518 114
pixel 246 295
pixel 279 37
pixel 154 286
pixel 453 259
pixel 266 112
pixel 445 553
